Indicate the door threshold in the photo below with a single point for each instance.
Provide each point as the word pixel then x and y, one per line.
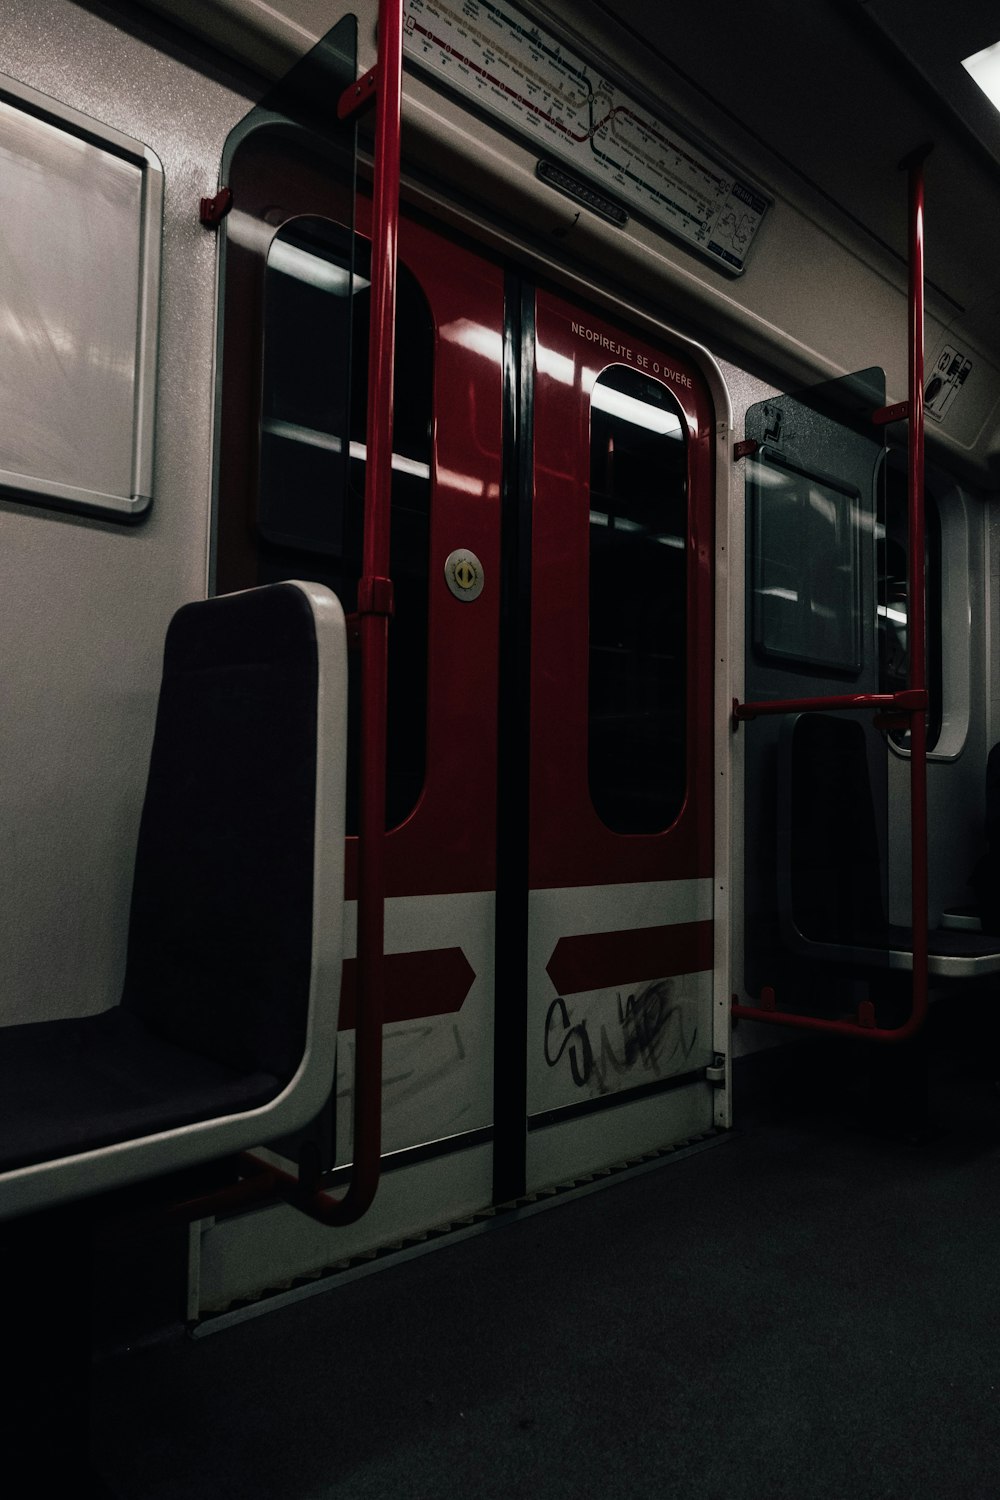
pixel 396 1253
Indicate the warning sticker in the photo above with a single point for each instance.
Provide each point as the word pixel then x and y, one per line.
pixel 951 370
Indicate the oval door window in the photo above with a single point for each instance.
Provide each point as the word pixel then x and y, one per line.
pixel 312 465
pixel 638 602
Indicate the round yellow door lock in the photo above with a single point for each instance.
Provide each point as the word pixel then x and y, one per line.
pixel 463 574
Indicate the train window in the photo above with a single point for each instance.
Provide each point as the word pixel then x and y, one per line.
pixel 312 464
pixel 638 603
pixel 82 209
pixel 892 532
pixel 807 576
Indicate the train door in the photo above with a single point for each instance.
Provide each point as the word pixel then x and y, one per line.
pixel 548 913
pixel 291 482
pixel 619 958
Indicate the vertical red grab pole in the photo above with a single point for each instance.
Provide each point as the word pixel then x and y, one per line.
pixel 916 625
pixel 374 610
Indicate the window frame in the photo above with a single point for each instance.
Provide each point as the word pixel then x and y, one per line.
pixel 955 616
pixel 34 488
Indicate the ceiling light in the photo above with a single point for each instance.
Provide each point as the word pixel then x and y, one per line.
pixel 984 69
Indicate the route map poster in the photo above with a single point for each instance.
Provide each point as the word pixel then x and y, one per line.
pixel 514 69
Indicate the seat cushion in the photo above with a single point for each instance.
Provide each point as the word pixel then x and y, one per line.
pixel 68 1086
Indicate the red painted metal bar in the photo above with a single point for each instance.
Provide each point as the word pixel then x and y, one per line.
pixel 359 96
pixel 374 610
pixel 262 1182
pixel 898 412
pixel 910 700
pixel 916 692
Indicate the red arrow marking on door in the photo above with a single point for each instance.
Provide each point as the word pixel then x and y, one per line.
pixel 431 983
pixel 601 960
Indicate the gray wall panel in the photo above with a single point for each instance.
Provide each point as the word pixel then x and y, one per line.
pixel 85 603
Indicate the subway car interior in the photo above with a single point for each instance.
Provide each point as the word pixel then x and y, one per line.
pixel 499 505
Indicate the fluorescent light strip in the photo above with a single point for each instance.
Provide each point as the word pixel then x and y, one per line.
pixel 400 463
pixel 316 439
pixel 666 539
pixel 984 70
pixel 639 413
pixel 621 523
pixel 292 260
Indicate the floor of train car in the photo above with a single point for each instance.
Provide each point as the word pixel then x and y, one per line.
pixel 812 1310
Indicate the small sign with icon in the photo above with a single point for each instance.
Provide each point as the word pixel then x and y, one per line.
pixel 951 370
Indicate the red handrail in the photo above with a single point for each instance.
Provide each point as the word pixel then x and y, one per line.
pixel 916 692
pixel 262 1182
pixel 910 700
pixel 374 610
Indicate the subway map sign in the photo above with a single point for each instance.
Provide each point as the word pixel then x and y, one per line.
pixel 514 69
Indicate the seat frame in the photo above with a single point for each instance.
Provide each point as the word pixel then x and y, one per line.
pixel 951 955
pixel 26 1189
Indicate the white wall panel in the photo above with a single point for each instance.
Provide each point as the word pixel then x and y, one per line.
pixel 85 603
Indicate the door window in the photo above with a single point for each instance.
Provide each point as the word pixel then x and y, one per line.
pixel 312 464
pixel 638 603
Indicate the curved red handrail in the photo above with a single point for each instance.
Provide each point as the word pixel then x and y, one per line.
pixel 262 1181
pixel 374 610
pixel 910 700
pixel 914 700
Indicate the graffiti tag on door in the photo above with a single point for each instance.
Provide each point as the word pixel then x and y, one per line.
pixel 651 1033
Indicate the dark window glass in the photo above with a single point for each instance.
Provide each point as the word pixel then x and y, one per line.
pixel 638 603
pixel 893 532
pixel 806 568
pixel 312 466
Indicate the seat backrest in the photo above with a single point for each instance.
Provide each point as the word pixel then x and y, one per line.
pixel 220 936
pixel 832 871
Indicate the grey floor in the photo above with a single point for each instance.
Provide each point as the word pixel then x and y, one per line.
pixel 810 1310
